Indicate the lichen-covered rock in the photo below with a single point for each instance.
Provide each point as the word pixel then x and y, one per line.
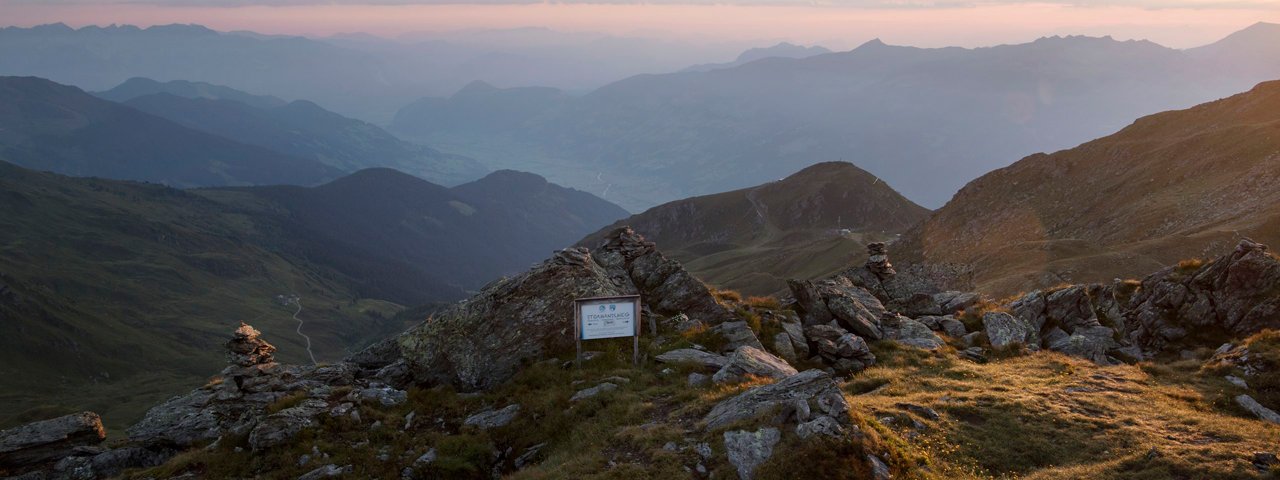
pixel 754 362
pixel 282 426
pixel 814 388
pixel 593 391
pixel 910 332
pixel 837 298
pixel 482 342
pixel 748 450
pixel 1004 329
pixel 1252 406
pixel 783 347
pixel 1091 343
pixel 48 440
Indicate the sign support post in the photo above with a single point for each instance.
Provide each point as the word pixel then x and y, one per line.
pixel 608 317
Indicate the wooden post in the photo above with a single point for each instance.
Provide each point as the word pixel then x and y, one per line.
pixel 577 333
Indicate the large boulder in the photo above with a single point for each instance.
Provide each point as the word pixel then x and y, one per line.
pixel 48 440
pixel 1004 330
pixel 748 450
pixel 482 342
pixel 750 361
pixel 808 394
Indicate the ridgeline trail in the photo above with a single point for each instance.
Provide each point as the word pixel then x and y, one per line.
pixel 298 301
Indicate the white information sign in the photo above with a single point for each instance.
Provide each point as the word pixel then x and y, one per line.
pixel 608 318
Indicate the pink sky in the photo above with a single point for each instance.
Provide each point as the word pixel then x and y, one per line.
pixel 836 27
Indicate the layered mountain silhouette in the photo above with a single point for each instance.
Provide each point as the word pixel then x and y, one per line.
pixel 807 225
pixel 1171 186
pixel 298 128
pixel 117 288
pixel 58 128
pixel 140 86
pixel 781 50
pixel 925 120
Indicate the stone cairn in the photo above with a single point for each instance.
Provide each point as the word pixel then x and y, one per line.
pixel 247 349
pixel 878 260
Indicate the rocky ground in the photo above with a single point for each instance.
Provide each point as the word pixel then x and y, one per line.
pixel 872 373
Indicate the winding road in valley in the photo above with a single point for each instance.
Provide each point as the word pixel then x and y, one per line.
pixel 298 301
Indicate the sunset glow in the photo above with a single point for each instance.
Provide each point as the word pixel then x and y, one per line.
pixel 834 26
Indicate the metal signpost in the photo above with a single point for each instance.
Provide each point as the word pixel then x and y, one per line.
pixel 607 317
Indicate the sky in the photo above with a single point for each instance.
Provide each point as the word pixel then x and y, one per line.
pixel 832 23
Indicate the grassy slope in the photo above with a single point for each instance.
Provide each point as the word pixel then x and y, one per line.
pixel 1173 185
pixel 129 303
pixel 1042 415
pixel 754 239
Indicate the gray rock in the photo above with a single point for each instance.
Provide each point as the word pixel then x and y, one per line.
pixel 530 454
pixel 814 387
pixel 427 458
pixel 976 354
pixel 748 450
pixel 48 440
pixel 752 361
pixel 795 330
pixel 952 301
pixel 846 351
pixel 698 379
pixel 694 357
pixel 1252 406
pixel 593 391
pixel 282 426
pixel 920 410
pixel 823 425
pixel 1004 329
pixel 386 396
pixel 737 334
pixel 493 418
pixel 1091 343
pixel 327 471
pixel 910 332
pixel 879 471
pixel 782 346
pixel 1237 381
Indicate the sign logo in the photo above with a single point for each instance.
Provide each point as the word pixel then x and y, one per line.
pixel 613 307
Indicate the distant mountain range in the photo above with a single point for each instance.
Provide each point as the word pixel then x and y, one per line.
pixel 925 120
pixel 753 240
pixel 360 76
pixel 121 290
pixel 299 128
pixel 781 50
pixel 58 128
pixel 1171 186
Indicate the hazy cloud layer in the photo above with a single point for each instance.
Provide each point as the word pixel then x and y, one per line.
pixel 1153 4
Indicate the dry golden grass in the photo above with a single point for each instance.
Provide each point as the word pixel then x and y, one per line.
pixel 1050 416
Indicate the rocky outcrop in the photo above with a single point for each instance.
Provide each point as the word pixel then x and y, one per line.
pixel 493 418
pixel 483 341
pixel 1230 297
pixel 845 352
pixel 837 298
pixel 737 334
pixel 750 361
pixel 48 440
pixel 799 398
pixel 1186 306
